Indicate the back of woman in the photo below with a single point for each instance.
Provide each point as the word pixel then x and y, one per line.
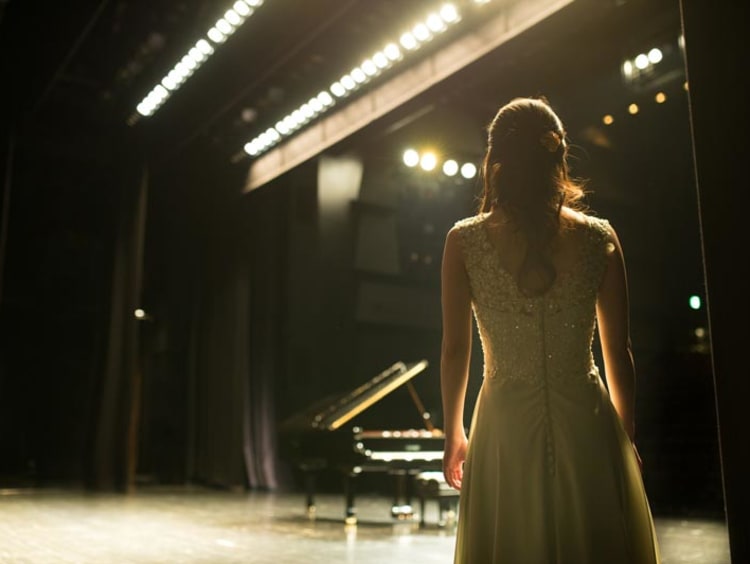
pixel 550 473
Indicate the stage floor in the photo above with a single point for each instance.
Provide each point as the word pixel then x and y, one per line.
pixel 194 525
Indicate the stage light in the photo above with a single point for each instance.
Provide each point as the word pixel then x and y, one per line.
pixel 428 161
pixel 695 302
pixel 169 82
pixel 392 52
pixel 139 313
pixel 627 68
pixel 224 27
pixel 233 17
pixel 660 97
pixel 348 82
pixel 608 120
pixel 242 8
pixel 450 167
pixel 325 98
pixel 204 47
pixel 468 170
pixel 380 60
pixel 421 32
pixel 411 158
pixel 338 89
pixel 641 61
pixel 281 127
pixel 369 68
pixel 449 13
pixel 655 55
pixel 358 75
pixel 633 109
pixel 408 41
pixel 435 23
pixel 216 35
pixel 307 111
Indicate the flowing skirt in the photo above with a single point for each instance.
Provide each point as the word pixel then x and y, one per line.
pixel 551 478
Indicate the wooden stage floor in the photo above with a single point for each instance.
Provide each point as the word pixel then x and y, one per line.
pixel 199 526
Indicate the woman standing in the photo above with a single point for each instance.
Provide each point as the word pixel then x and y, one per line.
pixel 550 472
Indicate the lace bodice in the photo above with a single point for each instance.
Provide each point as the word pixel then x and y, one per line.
pixel 542 339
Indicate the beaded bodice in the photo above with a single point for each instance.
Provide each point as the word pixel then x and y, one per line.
pixel 544 338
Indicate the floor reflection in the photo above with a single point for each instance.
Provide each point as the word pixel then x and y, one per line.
pixel 206 526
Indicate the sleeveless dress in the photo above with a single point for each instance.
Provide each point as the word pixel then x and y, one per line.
pixel 550 475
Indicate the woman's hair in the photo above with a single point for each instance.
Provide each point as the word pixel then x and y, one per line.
pixel 525 172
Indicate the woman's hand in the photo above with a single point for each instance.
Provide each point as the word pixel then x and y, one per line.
pixel 453 461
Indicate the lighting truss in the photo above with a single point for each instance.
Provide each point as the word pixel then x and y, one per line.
pixel 224 27
pixel 393 53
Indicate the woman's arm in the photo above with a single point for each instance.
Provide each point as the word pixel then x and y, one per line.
pixel 612 310
pixel 454 359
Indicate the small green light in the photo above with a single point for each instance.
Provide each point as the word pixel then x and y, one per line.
pixel 695 302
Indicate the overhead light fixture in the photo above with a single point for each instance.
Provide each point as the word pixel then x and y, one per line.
pixel 641 64
pixel 411 158
pixel 372 66
pixel 428 161
pixel 450 167
pixel 468 170
pixel 224 27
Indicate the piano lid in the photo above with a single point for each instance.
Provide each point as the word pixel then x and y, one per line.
pixel 334 414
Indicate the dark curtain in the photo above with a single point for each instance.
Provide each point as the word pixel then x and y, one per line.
pixel 267 255
pixel 113 454
pixel 237 348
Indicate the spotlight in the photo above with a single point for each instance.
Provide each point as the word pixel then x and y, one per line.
pixel 428 161
pixel 450 167
pixel 633 109
pixel 660 97
pixel 655 55
pixel 608 119
pixel 411 158
pixel 408 41
pixel 468 170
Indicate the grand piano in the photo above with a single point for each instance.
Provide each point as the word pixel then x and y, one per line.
pixel 323 437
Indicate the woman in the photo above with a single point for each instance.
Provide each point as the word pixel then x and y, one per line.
pixel 550 473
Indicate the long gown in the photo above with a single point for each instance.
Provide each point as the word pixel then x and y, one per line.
pixel 550 475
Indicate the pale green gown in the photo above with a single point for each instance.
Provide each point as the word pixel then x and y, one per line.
pixel 550 475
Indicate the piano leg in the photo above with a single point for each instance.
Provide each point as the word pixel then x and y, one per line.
pixel 310 493
pixel 402 500
pixel 349 489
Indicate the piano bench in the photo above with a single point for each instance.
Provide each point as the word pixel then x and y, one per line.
pixel 432 485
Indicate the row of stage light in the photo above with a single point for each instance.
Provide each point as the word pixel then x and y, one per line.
pixel 224 27
pixel 373 65
pixel 428 161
